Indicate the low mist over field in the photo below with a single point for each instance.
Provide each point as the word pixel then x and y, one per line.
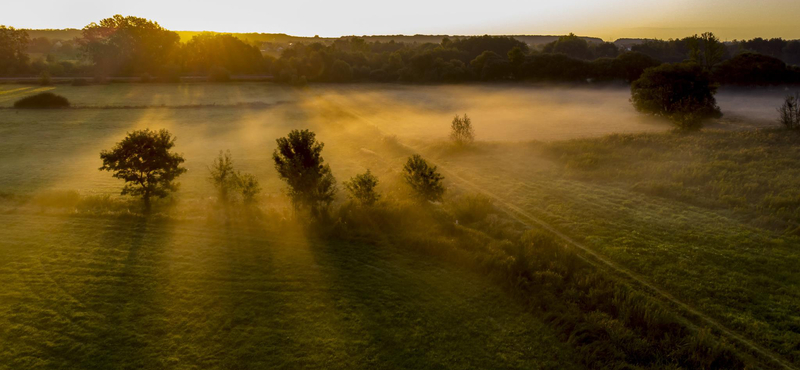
pixel 494 193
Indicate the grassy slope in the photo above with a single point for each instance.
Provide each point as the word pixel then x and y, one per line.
pixel 710 256
pixel 128 293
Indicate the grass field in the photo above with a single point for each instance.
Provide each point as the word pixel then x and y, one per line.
pixel 690 213
pixel 95 293
pixel 709 217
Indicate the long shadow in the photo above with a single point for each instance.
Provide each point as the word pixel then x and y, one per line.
pixel 128 273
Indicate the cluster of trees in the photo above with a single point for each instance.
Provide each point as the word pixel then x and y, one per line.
pixel 145 161
pixel 132 46
pixel 480 58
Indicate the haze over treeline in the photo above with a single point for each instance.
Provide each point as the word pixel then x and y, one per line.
pixel 122 46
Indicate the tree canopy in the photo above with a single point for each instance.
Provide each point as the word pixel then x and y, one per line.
pixel 144 160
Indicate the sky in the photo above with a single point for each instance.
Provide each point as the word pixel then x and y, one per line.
pixel 610 19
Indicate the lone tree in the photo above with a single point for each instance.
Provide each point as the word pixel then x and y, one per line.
pixel 683 93
pixel 423 178
pixel 790 112
pixel 461 131
pixel 143 159
pixel 362 188
pixel 298 160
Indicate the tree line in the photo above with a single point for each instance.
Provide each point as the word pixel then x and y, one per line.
pixel 137 47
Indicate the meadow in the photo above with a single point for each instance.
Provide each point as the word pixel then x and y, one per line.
pixel 711 217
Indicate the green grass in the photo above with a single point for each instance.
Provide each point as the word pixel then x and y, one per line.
pixel 99 293
pixel 108 292
pixel 721 259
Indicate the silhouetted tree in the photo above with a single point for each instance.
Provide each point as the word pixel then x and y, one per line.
pixel 683 92
pixel 423 178
pixel 790 112
pixel 208 50
pixel 461 130
pixel 144 161
pixel 13 50
pixel 340 72
pixel 753 69
pixel 128 46
pixel 571 46
pixel 705 50
pixel 223 176
pixel 298 160
pixel 361 188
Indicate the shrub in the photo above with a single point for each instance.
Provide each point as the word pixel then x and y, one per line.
pixel 461 131
pixel 362 188
pixel 298 160
pixel 472 208
pixel 423 178
pixel 683 93
pixel 219 74
pixel 42 100
pixel 790 112
pixel 249 187
pixel 223 176
pixel 227 180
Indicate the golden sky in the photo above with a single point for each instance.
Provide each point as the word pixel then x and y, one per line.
pixel 611 19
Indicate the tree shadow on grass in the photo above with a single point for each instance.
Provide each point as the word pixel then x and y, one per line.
pixel 128 272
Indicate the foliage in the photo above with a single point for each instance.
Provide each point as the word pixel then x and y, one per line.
pixel 684 93
pixel 249 187
pixel 571 46
pixel 223 176
pixel 144 161
pixel 361 188
pixel 13 50
pixel 705 50
pixel 42 100
pixel 340 72
pixel 461 130
pixel 790 112
pixel 125 46
pixel 209 50
pixel 748 69
pixel 298 160
pixel 423 178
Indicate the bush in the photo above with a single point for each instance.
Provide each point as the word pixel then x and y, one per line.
pixel 226 180
pixel 472 208
pixel 42 100
pixel 461 131
pixel 790 112
pixel 423 178
pixel 683 93
pixel 223 176
pixel 249 187
pixel 362 188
